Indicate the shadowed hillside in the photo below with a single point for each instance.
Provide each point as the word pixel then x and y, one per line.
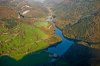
pixel 86 29
pixel 79 19
pixel 70 11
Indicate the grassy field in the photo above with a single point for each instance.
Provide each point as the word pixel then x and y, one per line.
pixel 42 24
pixel 22 38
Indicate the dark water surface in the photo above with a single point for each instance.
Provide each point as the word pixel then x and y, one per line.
pixel 62 47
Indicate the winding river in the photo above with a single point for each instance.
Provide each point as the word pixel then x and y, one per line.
pixel 61 47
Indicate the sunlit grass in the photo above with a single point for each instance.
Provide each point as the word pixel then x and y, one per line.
pixel 41 24
pixel 21 40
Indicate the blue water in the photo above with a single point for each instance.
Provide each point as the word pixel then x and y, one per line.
pixel 62 47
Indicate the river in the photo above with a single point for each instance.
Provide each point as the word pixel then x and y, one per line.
pixel 61 47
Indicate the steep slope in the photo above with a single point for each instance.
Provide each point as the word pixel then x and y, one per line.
pixel 79 19
pixel 86 29
pixel 25 8
pixel 70 11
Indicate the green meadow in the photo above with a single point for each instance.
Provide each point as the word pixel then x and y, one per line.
pixel 18 39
